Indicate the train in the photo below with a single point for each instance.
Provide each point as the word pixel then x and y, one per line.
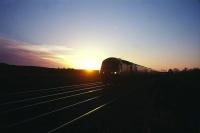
pixel 115 68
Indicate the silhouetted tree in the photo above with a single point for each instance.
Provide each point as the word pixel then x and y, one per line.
pixel 176 70
pixel 185 69
pixel 170 71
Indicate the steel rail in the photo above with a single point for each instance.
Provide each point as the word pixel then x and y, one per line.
pixel 81 116
pixel 35 98
pixel 60 87
pixel 47 101
pixel 50 112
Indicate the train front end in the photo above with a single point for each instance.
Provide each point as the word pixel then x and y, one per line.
pixel 110 69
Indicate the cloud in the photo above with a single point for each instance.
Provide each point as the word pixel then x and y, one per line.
pixel 22 53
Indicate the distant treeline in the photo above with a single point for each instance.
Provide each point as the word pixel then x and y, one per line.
pixel 176 70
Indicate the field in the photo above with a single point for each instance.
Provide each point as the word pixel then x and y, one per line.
pixel 19 78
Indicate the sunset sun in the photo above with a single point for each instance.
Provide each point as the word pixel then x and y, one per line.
pixel 90 64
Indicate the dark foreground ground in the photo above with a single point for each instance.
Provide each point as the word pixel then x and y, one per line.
pixel 160 103
pixel 19 78
pixel 154 103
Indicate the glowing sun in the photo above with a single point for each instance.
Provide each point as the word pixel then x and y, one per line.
pixel 90 64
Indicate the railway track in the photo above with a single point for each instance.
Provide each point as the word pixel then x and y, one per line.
pixel 49 110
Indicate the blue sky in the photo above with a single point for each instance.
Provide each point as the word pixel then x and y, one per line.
pixel 160 34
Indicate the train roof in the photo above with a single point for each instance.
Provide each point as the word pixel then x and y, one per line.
pixel 118 59
pixel 126 62
pixel 111 59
